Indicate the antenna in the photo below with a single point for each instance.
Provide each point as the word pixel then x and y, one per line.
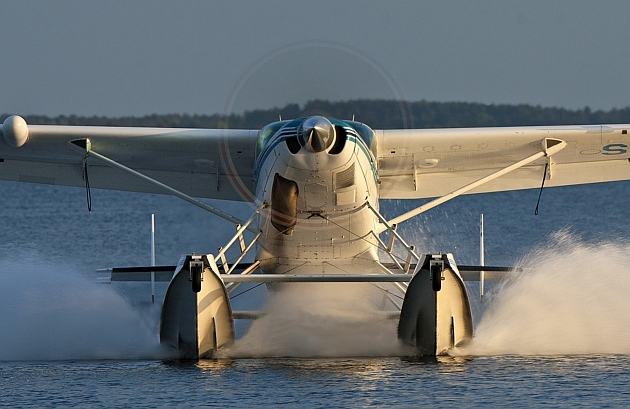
pixel 481 258
pixel 153 257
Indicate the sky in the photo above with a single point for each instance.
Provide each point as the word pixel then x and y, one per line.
pixel 118 58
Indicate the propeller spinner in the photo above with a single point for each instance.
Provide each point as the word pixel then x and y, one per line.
pixel 316 134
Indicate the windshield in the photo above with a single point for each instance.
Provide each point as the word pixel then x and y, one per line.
pixel 265 134
pixel 366 134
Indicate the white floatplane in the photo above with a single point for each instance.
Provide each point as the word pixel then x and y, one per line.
pixel 315 185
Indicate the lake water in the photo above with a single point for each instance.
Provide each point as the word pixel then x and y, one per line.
pixel 556 335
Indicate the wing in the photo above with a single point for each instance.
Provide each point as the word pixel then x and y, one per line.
pixel 434 162
pixel 209 163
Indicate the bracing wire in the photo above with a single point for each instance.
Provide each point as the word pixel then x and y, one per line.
pixel 541 189
pixel 244 291
pixel 88 193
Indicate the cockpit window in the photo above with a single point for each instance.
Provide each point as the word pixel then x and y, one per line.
pixel 265 134
pixel 366 134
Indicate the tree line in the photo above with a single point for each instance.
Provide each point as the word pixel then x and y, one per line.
pixel 379 114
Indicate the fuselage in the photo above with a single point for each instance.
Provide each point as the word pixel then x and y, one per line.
pixel 316 174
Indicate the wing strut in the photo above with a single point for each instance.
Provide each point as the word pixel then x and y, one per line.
pixel 84 146
pixel 549 147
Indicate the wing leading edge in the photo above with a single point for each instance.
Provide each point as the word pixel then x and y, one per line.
pixel 207 163
pixel 433 162
pixel 219 163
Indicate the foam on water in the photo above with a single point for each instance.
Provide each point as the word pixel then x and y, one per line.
pixel 51 312
pixel 573 298
pixel 321 320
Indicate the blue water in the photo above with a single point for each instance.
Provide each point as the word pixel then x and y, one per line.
pixel 554 336
pixel 584 381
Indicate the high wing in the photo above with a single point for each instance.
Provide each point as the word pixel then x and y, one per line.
pixel 219 163
pixel 433 162
pixel 208 163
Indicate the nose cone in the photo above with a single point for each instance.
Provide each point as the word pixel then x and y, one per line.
pixel 316 134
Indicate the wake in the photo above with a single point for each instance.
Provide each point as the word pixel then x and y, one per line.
pixel 574 298
pixel 320 320
pixel 55 313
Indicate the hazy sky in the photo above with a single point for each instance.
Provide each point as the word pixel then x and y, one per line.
pixel 141 57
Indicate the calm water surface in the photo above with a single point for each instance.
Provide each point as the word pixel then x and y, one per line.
pixel 66 342
pixel 582 381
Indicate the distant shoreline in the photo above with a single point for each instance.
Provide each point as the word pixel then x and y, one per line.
pixel 379 114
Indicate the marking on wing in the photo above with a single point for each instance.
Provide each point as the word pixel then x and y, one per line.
pixel 615 149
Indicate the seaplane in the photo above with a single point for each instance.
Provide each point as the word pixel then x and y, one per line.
pixel 314 184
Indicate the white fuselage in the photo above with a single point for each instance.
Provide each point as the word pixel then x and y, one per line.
pixel 332 223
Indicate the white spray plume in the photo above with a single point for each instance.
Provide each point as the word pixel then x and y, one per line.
pixel 321 320
pixel 50 312
pixel 573 298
